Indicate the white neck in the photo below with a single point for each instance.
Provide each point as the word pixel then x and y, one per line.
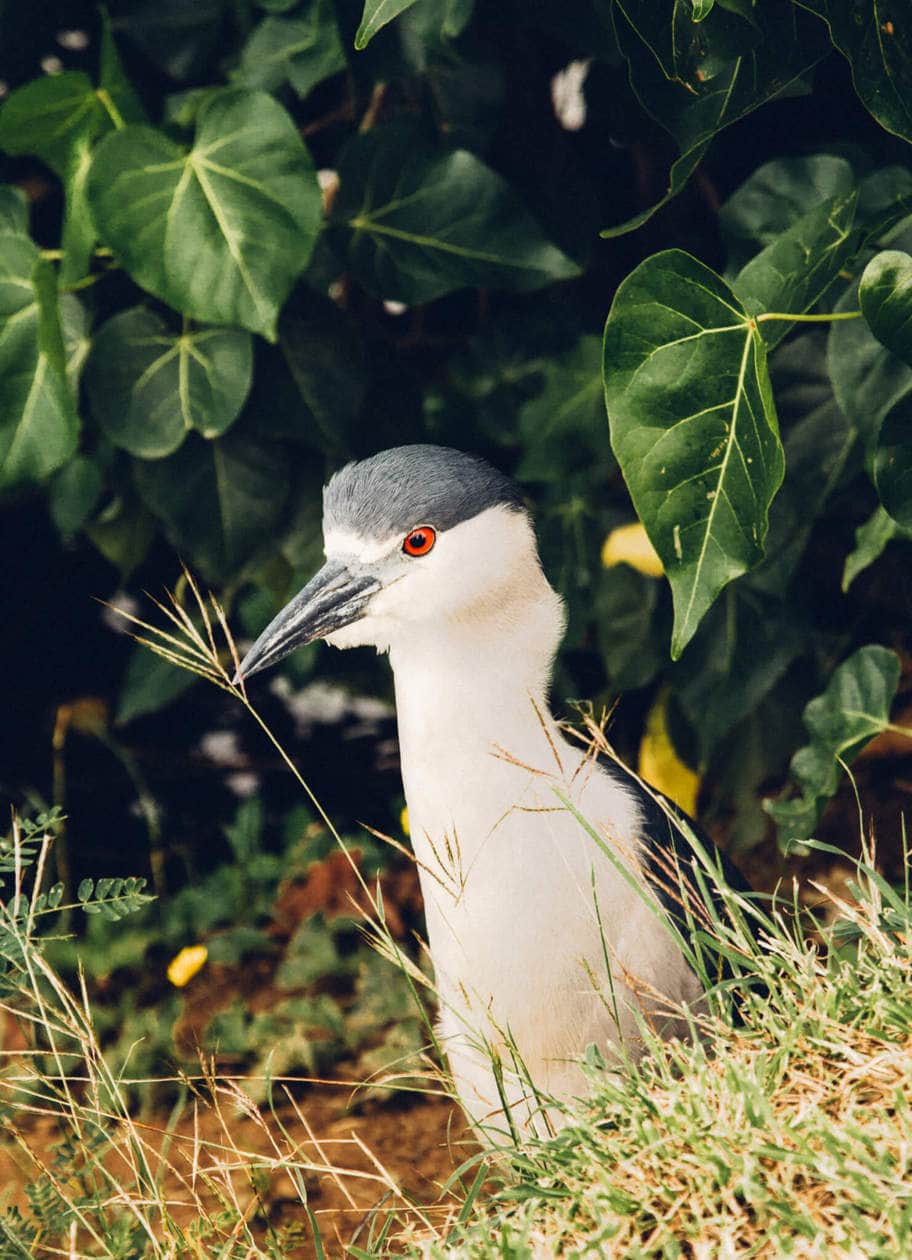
pixel 471 692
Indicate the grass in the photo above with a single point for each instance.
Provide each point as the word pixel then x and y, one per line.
pixel 785 1132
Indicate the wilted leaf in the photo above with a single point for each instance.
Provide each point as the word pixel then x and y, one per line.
pixel 150 386
pixel 220 232
pixel 693 426
pixel 38 421
pixel 419 223
pixel 853 709
pixel 219 500
pixel 885 293
pixel 302 51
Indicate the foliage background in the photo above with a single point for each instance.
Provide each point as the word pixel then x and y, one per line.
pixel 191 344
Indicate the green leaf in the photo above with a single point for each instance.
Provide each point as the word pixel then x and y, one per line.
pixel 327 361
pixel 219 501
pixel 38 421
pixel 693 426
pixel 564 426
pixel 183 40
pixel 777 195
pixel 123 533
pixel 795 270
pixel 740 652
pixel 113 80
pixel 877 43
pixel 221 232
pixel 45 116
pixel 149 386
pixel 697 79
pixel 818 443
pixel 629 643
pixel 419 223
pixel 377 13
pixel 853 709
pixel 868 380
pixel 77 337
pixel 73 494
pixel 884 200
pixel 885 293
pixel 149 685
pixel 871 538
pixel 14 210
pixel 893 463
pixel 302 51
pixel 58 118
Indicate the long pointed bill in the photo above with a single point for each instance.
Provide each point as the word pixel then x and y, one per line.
pixel 335 597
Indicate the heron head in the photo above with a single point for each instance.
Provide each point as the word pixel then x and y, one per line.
pixel 413 537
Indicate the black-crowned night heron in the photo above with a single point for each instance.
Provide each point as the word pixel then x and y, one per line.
pixel 541 945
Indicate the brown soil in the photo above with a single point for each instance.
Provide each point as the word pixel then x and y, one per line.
pixel 358 1165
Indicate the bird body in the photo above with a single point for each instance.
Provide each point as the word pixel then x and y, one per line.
pixel 541 945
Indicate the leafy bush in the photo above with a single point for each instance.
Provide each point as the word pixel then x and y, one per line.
pixel 265 237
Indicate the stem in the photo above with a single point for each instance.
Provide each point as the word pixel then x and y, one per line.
pixel 808 319
pixel 113 112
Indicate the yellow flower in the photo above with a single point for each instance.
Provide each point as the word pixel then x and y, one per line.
pixel 629 544
pixel 184 965
pixel 661 766
pixel 403 820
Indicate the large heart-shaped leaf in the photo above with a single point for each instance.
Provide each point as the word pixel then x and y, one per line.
pixel 221 232
pixel 885 293
pixel 150 386
pixel 220 501
pixel 419 223
pixel 38 421
pixel 693 426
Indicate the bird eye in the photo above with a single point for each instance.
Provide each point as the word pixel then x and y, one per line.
pixel 420 541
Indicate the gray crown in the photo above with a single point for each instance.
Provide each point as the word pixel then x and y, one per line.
pixel 394 491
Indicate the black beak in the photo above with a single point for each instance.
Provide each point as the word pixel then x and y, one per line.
pixel 333 598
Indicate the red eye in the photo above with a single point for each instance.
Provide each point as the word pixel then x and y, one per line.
pixel 420 541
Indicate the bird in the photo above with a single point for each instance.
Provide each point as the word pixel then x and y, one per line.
pixel 541 928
